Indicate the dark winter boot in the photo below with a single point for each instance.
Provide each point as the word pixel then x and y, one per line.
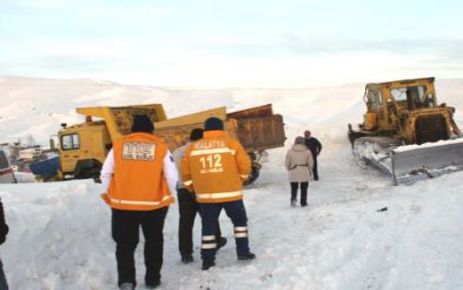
pixel 127 286
pixel 207 264
pixel 293 202
pixel 248 256
pixel 153 285
pixel 153 282
pixel 187 259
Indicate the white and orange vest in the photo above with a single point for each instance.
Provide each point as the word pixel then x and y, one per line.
pixel 138 182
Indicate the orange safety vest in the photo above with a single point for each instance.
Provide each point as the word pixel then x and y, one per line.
pixel 215 167
pixel 138 182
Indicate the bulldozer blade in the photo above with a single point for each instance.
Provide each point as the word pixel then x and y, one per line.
pixel 416 162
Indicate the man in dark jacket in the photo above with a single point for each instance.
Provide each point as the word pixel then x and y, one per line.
pixel 315 147
pixel 3 232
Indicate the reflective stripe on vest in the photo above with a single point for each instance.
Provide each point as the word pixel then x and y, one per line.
pixel 219 195
pixel 140 202
pixel 212 151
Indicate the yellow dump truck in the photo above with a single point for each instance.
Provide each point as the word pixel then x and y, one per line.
pixel 83 147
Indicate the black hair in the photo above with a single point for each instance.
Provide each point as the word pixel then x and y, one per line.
pixel 142 123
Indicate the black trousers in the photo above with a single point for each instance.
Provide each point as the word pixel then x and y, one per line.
pixel 3 284
pixel 315 168
pixel 210 219
pixel 188 208
pixel 304 187
pixel 125 231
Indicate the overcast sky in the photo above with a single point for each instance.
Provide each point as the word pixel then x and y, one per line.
pixel 253 43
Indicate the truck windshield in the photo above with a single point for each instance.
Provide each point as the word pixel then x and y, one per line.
pixel 400 94
pixel 70 142
pixel 414 96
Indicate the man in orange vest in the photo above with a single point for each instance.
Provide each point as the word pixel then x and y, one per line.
pixel 215 168
pixel 188 207
pixel 139 174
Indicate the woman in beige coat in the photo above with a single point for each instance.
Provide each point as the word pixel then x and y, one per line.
pixel 299 163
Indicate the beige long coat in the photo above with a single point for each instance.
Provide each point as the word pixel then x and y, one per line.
pixel 299 163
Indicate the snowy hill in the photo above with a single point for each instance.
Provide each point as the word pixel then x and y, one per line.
pixel 39 106
pixel 60 232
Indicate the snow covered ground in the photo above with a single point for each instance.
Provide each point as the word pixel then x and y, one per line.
pixel 60 232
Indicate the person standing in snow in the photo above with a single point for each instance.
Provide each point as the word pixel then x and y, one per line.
pixel 139 174
pixel 3 233
pixel 215 167
pixel 315 147
pixel 299 164
pixel 188 207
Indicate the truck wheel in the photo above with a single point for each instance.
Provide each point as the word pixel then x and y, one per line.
pixel 85 173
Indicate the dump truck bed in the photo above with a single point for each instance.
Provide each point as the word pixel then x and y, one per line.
pixel 176 131
pixel 257 128
pixel 119 119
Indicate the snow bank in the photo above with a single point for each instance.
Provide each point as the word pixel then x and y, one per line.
pixel 60 232
pixel 60 235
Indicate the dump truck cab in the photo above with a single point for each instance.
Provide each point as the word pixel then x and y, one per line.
pixel 83 147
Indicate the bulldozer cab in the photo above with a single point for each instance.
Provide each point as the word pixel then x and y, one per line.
pixel 406 112
pixel 406 94
pixel 390 105
pixel 412 95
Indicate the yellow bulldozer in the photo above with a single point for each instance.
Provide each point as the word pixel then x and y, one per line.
pixel 406 133
pixel 83 147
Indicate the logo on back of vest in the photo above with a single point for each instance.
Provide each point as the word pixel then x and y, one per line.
pixel 138 151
